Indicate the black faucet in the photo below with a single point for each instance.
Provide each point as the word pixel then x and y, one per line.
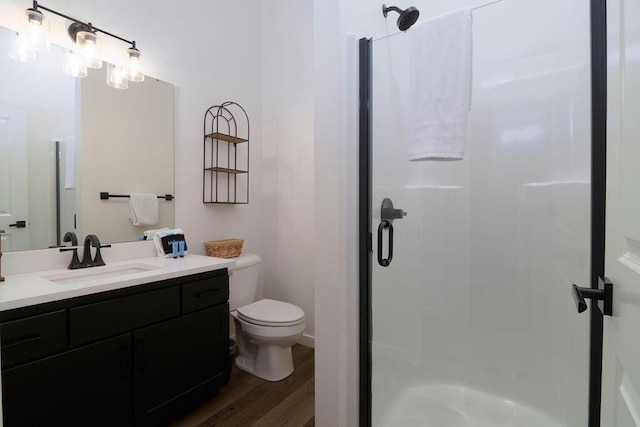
pixel 70 236
pixel 92 240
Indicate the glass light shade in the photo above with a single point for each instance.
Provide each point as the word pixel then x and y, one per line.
pixel 31 37
pixel 89 47
pixel 74 64
pixel 132 70
pixel 34 16
pixel 116 77
pixel 22 49
pixel 36 29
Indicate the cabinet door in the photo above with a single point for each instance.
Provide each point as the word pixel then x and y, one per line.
pixel 33 338
pixel 178 364
pixel 87 386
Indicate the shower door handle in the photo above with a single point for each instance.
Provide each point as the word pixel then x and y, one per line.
pixel 603 295
pixel 385 225
pixel 387 214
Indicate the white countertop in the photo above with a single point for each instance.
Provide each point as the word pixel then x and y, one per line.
pixel 21 290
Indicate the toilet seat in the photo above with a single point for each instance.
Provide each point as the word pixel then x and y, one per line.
pixel 272 313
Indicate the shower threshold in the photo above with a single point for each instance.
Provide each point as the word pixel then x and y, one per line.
pixel 441 405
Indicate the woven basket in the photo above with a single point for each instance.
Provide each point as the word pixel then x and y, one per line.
pixel 227 248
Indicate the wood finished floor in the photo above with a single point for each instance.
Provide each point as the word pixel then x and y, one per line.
pixel 250 401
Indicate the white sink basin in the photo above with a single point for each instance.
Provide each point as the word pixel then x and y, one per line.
pixel 99 273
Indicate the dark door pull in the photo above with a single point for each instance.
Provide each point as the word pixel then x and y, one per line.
pixel 384 225
pixel 206 293
pixel 141 357
pixel 604 293
pixel 20 341
pixel 19 224
pixel 125 360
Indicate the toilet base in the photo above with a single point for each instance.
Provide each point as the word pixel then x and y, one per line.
pixel 271 362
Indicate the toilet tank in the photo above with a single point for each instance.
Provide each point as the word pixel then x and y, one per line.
pixel 243 280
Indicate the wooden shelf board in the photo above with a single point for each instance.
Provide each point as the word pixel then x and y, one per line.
pixel 225 137
pixel 233 171
pixel 226 203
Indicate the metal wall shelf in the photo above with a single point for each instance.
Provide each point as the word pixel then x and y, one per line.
pixel 228 138
pixel 226 155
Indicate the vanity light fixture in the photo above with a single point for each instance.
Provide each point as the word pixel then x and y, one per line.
pixel 87 51
pixel 32 35
pixel 22 49
pixel 74 64
pixel 133 72
pixel 117 77
pixel 87 41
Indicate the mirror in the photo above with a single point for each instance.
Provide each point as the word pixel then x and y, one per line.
pixel 64 140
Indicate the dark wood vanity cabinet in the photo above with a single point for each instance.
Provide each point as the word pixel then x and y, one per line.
pixel 135 356
pixel 90 385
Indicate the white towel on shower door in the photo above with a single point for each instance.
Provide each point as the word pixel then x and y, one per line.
pixel 440 84
pixel 143 209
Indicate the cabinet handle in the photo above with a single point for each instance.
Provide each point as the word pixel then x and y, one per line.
pixel 205 293
pixel 19 341
pixel 125 359
pixel 141 355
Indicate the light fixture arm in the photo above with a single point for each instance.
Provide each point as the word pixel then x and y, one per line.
pixel 37 6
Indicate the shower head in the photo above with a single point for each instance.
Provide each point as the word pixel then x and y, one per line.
pixel 407 17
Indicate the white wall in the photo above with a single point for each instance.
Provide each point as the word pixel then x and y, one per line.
pixel 336 261
pixel 288 155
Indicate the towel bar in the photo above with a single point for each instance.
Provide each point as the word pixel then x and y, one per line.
pixel 104 195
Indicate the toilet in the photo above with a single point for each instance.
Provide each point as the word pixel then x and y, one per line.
pixel 265 329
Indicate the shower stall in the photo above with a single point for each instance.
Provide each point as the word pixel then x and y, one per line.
pixel 471 322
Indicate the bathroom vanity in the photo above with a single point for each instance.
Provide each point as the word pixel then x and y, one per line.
pixel 136 344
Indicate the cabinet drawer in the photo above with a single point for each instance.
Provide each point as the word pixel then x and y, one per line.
pixel 33 337
pixel 205 293
pixel 95 321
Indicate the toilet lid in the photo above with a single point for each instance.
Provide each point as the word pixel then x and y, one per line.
pixel 271 312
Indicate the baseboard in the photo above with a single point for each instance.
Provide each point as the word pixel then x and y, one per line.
pixel 307 340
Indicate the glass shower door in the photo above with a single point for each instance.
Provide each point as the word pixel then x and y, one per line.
pixel 473 322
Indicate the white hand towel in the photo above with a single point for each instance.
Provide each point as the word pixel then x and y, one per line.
pixel 143 209
pixel 440 83
pixel 148 234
